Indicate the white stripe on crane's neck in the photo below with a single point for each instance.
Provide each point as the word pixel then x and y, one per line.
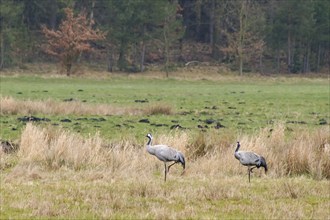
pixel 150 149
pixel 236 154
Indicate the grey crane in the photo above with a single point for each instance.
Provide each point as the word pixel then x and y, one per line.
pixel 165 154
pixel 250 159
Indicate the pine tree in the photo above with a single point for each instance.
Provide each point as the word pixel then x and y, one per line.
pixel 12 31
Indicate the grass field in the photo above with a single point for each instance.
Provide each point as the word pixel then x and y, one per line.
pixel 239 104
pixel 87 158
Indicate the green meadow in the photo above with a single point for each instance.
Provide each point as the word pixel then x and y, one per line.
pixel 238 104
pixel 80 147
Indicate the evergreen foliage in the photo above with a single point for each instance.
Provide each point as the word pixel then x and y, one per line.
pixel 246 35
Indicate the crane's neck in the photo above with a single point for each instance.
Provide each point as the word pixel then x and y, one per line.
pixel 150 149
pixel 149 141
pixel 238 146
pixel 237 156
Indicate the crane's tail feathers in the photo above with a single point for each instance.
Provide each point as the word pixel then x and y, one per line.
pixel 182 160
pixel 264 164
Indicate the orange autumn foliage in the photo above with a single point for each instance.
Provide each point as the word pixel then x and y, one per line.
pixel 71 39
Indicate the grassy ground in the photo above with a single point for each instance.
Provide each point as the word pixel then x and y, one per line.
pixel 96 166
pixel 59 174
pixel 242 104
pixel 86 195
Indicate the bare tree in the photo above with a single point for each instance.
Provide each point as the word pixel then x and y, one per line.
pixel 244 34
pixel 172 31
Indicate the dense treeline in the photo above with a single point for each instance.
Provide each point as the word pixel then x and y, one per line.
pixel 246 35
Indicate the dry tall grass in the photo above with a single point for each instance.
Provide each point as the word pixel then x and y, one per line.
pixel 159 109
pixel 59 174
pixel 53 149
pixel 10 105
pixel 56 148
pixel 305 152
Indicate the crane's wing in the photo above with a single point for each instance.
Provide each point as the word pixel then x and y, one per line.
pixel 166 153
pixel 248 158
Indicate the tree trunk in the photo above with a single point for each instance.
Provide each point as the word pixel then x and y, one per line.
pixel 143 52
pixel 211 27
pixel 289 52
pixel 143 49
pixel 241 37
pixel 121 59
pixel 261 68
pixel 240 65
pixel 306 68
pixel 53 13
pixel 2 52
pixel 214 29
pixel 110 59
pixel 91 17
pixel 166 47
pixel 198 11
pixel 318 58
pixel 278 60
pixel 68 69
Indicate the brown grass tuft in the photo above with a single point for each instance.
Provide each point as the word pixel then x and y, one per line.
pixel 212 143
pixel 56 148
pixel 159 109
pixel 200 146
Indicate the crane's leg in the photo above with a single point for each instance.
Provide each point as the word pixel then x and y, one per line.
pixel 250 171
pixel 171 165
pixel 165 171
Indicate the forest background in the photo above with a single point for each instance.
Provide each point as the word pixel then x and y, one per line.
pixel 266 36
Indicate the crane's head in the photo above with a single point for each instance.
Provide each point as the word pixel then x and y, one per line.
pixel 149 136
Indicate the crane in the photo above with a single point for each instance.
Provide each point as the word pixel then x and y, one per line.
pixel 166 154
pixel 250 159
